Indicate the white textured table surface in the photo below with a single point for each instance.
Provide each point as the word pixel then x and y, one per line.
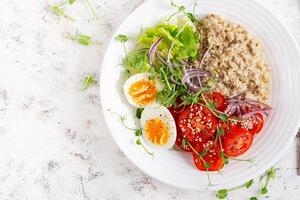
pixel 53 140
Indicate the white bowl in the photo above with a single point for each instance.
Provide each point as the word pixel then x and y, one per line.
pixel 176 168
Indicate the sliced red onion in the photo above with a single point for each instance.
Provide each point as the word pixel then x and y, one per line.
pixel 193 78
pixel 257 104
pixel 153 48
pixel 245 107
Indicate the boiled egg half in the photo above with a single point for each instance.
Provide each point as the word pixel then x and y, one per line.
pixel 141 91
pixel 159 129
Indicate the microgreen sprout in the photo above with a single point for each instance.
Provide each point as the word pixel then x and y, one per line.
pixel 222 116
pixel 81 39
pixel 139 142
pixel 57 9
pixel 224 158
pixel 123 39
pixel 205 164
pixel 250 160
pixel 181 9
pixel 222 194
pixel 269 175
pixel 71 1
pixel 138 112
pixel 92 10
pixel 137 132
pixel 88 82
pixel 184 143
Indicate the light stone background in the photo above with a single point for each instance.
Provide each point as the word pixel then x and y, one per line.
pixel 53 140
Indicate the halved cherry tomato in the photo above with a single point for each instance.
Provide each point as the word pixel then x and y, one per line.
pixel 178 143
pixel 218 99
pixel 196 123
pixel 212 156
pixel 175 111
pixel 237 141
pixel 255 123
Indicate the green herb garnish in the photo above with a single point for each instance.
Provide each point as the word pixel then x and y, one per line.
pixel 269 175
pixel 57 9
pixel 123 38
pixel 137 132
pixel 138 112
pixel 181 9
pixel 88 81
pixel 82 39
pixel 71 1
pixel 92 10
pixel 183 143
pixel 222 194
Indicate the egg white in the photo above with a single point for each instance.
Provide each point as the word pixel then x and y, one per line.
pixel 135 78
pixel 158 111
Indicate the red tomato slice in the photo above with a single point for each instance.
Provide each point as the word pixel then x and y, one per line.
pixel 218 99
pixel 212 157
pixel 255 123
pixel 237 141
pixel 176 111
pixel 196 123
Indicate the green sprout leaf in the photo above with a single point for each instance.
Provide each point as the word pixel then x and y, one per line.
pixel 181 8
pixel 271 173
pixel 206 165
pixel 223 117
pixel 253 198
pixel 58 11
pixel 122 38
pixel 211 105
pixel 220 131
pixel 203 153
pixel 264 190
pixel 138 113
pixel 138 132
pixel 138 141
pixel 224 157
pixel 191 17
pixel 222 194
pixel 84 39
pixel 88 82
pixel 249 183
pixel 71 2
pixel 183 143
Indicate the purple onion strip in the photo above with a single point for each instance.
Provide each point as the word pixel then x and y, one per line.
pixel 152 50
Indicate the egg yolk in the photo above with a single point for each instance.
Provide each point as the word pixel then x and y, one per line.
pixel 157 131
pixel 143 92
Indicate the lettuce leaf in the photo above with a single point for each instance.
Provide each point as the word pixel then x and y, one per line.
pixel 137 62
pixel 185 38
